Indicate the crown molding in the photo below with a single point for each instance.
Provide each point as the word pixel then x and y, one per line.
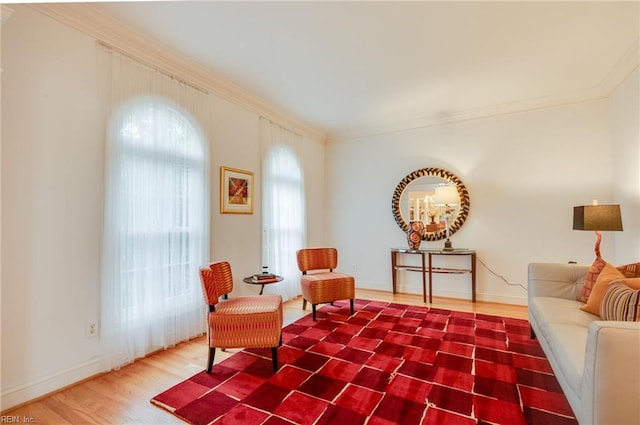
pixel 5 13
pixel 625 66
pixel 621 70
pixel 86 18
pixel 89 20
pixel 581 96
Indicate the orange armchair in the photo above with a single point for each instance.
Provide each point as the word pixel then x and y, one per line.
pixel 239 322
pixel 323 285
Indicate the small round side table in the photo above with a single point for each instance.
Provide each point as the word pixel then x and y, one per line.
pixel 250 281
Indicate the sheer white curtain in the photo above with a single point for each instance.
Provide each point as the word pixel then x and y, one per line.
pixel 284 217
pixel 156 210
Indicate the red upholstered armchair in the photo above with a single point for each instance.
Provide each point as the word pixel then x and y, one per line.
pixel 323 285
pixel 239 322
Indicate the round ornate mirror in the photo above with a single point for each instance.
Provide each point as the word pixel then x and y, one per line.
pixel 429 195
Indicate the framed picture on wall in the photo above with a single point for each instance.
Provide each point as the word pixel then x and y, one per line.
pixel 236 191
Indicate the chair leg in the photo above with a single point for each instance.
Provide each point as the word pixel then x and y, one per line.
pixel 212 354
pixel 532 334
pixel 351 303
pixel 274 358
pixel 313 308
pixel 304 303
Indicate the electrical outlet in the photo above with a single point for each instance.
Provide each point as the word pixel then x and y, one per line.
pixel 91 330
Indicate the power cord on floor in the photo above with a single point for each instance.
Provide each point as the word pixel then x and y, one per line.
pixel 500 276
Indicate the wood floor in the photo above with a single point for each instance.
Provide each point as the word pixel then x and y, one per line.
pixel 122 396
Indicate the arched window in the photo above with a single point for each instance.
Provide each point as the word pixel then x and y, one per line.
pixel 156 232
pixel 284 218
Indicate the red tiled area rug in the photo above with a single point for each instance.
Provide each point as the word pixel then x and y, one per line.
pixel 387 364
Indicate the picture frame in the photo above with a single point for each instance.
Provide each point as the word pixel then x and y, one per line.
pixel 236 191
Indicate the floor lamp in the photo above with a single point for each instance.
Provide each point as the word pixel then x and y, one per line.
pixel 598 218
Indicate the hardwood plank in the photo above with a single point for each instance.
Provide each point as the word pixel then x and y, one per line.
pixel 123 396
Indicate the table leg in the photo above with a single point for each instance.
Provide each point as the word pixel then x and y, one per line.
pixel 473 277
pixel 430 280
pixel 424 283
pixel 394 262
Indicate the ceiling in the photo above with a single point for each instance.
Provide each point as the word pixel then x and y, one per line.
pixel 354 67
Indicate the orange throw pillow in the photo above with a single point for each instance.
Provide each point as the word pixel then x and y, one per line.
pixel 608 274
pixel 590 279
pixel 629 270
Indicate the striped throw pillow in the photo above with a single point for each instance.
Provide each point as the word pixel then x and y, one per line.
pixel 620 302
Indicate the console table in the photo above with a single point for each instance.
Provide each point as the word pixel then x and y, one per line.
pixel 427 269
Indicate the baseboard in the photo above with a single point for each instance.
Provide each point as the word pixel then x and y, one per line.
pixel 13 397
pixel 480 296
pixel 501 299
pixel 490 298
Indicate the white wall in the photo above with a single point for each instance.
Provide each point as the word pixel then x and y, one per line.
pixel 52 199
pixel 52 191
pixel 524 173
pixel 625 137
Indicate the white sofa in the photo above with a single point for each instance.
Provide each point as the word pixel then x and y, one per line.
pixel 596 362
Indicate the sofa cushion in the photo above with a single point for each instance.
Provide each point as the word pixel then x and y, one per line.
pixel 608 274
pixel 621 302
pixel 567 343
pixel 564 327
pixel 559 310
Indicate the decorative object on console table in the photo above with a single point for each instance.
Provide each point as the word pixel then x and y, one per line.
pixel 598 218
pixel 446 196
pixel 414 235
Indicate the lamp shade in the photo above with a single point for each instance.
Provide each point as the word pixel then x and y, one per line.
pixel 597 217
pixel 446 195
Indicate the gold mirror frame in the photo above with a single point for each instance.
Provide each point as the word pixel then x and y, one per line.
pixel 445 175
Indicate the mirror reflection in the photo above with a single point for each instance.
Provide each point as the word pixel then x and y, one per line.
pixel 432 201
pixel 433 196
